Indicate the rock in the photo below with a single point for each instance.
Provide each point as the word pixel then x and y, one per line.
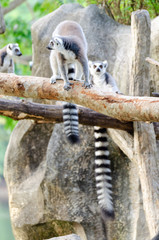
pixel 51 184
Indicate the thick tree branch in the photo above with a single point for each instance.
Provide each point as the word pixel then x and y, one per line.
pixel 12 6
pixel 123 108
pixel 24 59
pixel 152 61
pixel 20 110
pixel 2 22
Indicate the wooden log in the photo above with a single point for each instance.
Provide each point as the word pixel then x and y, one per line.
pixel 123 108
pixel 145 149
pixel 20 110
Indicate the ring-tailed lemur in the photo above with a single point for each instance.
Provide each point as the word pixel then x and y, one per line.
pixel 6 57
pixel 70 46
pixel 104 82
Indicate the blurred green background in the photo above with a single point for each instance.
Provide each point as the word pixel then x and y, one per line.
pixel 18 23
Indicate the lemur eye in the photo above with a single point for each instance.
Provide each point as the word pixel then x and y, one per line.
pixel 101 66
pixel 94 66
pixel 16 50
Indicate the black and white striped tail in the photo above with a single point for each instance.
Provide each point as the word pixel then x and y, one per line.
pixel 70 119
pixel 103 173
pixel 71 71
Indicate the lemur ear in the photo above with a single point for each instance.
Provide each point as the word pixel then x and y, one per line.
pixel 105 64
pixel 57 40
pixel 10 46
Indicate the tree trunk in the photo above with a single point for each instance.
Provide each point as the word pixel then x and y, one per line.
pixel 145 149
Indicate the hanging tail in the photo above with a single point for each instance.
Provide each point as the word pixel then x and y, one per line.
pixel 103 173
pixel 70 119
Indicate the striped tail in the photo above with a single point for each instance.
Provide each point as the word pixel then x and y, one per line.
pixel 103 173
pixel 70 119
pixel 71 71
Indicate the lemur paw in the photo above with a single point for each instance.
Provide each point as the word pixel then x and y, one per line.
pixel 67 86
pixel 87 85
pixel 53 79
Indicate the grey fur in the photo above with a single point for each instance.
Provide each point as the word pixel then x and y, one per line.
pixel 69 46
pixel 6 57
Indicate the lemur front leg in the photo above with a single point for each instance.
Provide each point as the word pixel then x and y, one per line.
pixel 63 67
pixel 84 63
pixel 54 67
pixel 11 67
pixel 79 71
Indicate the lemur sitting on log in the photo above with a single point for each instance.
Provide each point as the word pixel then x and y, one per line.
pixel 6 57
pixel 105 83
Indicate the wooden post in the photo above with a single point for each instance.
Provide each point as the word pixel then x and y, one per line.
pixel 145 149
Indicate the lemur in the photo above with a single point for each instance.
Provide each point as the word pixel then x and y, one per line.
pixel 6 57
pixel 104 82
pixel 69 47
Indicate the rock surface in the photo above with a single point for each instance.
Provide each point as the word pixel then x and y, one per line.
pixel 51 184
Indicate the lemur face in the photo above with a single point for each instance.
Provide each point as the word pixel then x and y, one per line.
pixel 13 49
pixel 56 43
pixel 98 68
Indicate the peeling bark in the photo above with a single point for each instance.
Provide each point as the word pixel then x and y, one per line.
pixel 123 108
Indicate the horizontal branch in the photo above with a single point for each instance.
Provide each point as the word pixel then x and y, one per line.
pixel 20 110
pixel 123 108
pixel 24 59
pixel 152 61
pixel 14 4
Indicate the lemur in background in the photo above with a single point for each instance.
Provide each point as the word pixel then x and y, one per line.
pixel 6 57
pixel 69 48
pixel 104 82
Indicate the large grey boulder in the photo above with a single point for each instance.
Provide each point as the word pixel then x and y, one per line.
pixel 51 184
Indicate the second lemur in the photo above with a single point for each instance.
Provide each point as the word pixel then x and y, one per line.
pixel 104 82
pixel 7 54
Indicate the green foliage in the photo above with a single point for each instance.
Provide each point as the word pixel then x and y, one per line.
pixel 5 3
pixel 120 10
